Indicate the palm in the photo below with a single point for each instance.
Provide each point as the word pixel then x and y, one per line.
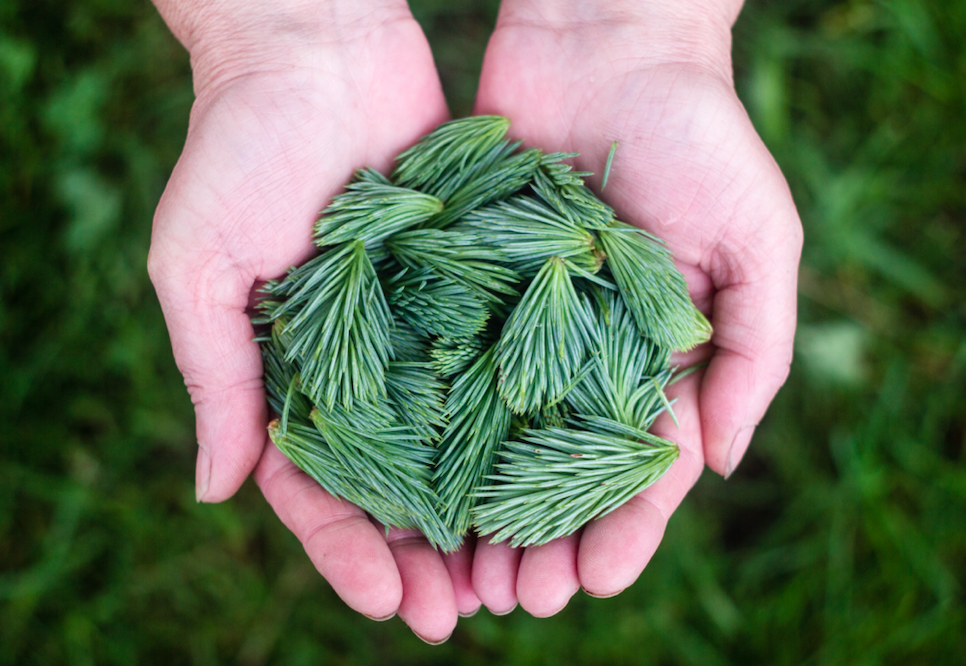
pixel 264 153
pixel 691 169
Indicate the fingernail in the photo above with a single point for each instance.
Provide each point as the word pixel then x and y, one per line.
pixel 738 448
pixel 506 612
pixel 381 619
pixel 471 613
pixel 602 596
pixel 202 474
pixel 428 642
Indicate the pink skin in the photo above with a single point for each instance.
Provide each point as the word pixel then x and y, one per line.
pixel 691 169
pixel 273 135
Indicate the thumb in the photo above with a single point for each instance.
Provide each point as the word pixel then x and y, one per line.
pixel 754 316
pixel 204 302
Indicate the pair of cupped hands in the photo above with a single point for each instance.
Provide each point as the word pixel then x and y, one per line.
pixel 292 96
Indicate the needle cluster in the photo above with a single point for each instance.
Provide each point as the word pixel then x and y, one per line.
pixel 479 344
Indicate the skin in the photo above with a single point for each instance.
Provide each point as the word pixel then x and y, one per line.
pixel 293 95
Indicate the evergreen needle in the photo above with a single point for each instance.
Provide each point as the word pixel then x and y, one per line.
pixel 608 165
pixel 371 212
pixel 655 291
pixel 478 422
pixel 459 256
pixel 437 306
pixel 544 341
pixel 418 397
pixel 529 232
pixel 441 161
pixel 453 356
pixel 553 481
pixel 339 328
pixel 627 372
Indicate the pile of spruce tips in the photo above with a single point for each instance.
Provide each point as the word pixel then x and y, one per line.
pixel 480 344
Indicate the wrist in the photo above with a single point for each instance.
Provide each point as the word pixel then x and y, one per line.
pixel 231 38
pixel 643 31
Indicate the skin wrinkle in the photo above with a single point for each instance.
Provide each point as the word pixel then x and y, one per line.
pixel 329 528
pixel 203 394
pixel 228 48
pixel 637 28
pixel 404 535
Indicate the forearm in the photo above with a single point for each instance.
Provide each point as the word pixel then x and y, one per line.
pixel 681 30
pixel 225 35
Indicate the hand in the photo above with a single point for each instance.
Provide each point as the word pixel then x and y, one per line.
pixel 575 76
pixel 287 107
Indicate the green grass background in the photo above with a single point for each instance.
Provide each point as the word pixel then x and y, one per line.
pixel 841 539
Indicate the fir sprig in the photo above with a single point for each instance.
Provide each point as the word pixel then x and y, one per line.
pixel 304 446
pixel 459 256
pixel 563 189
pixel 437 306
pixel 339 328
pixel 544 341
pixel 443 159
pixel 418 396
pixel 654 289
pixel 371 212
pixel 627 371
pixel 452 356
pixel 553 481
pixel 394 460
pixel 529 232
pixel 478 421
pixel 407 345
pixel 490 182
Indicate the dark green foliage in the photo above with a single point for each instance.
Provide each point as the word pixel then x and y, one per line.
pixel 407 345
pixel 493 179
pixel 451 356
pixel 449 156
pixel 627 372
pixel 394 462
pixel 418 397
pixel 437 306
pixel 563 189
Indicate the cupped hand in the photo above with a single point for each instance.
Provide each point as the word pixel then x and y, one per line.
pixel 576 76
pixel 285 112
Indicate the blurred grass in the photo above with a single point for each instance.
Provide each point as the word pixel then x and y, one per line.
pixel 839 541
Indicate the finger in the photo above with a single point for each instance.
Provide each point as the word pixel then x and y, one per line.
pixel 428 604
pixel 615 549
pixel 460 568
pixel 348 550
pixel 754 317
pixel 495 567
pixel 211 336
pixel 548 577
